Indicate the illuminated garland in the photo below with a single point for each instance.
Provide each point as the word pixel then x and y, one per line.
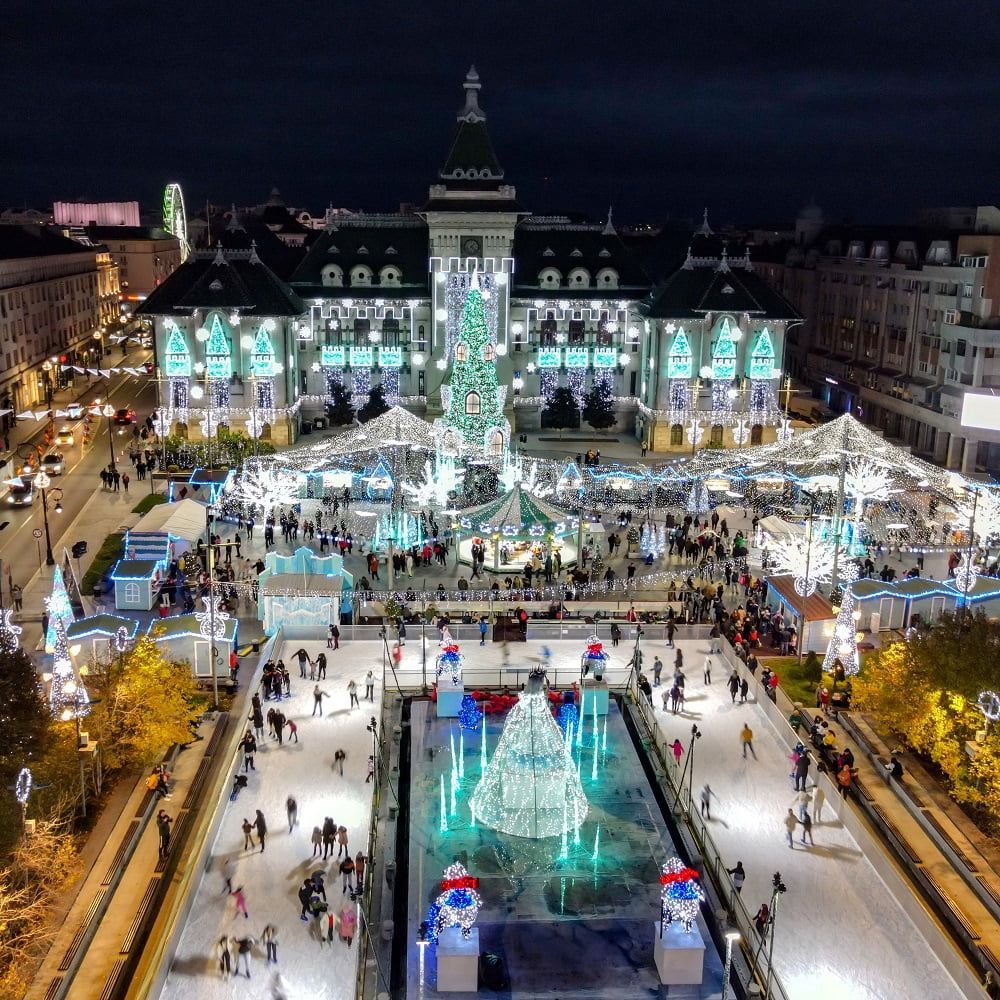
pixel 59 609
pixel 9 632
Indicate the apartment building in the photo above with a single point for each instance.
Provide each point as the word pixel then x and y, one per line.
pixel 145 256
pixel 53 292
pixel 900 322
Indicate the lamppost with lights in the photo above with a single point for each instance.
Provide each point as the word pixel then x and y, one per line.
pixel 47 367
pixel 43 482
pixel 109 411
pixel 99 337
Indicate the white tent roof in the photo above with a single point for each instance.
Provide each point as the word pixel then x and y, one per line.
pixel 184 519
pixel 396 427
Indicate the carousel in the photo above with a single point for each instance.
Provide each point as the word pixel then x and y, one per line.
pixel 516 529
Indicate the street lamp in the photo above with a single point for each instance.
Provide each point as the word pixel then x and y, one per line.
pixel 109 411
pixel 47 369
pixel 99 337
pixel 43 482
pixel 731 938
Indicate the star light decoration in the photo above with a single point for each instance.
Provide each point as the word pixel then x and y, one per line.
pixel 680 895
pixel 205 618
pixel 459 902
pixel 810 563
pixel 8 631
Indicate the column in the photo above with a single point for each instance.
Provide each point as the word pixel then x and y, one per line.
pixel 969 456
pixel 954 451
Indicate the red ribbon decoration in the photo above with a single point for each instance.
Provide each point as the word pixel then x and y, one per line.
pixel 684 875
pixel 465 882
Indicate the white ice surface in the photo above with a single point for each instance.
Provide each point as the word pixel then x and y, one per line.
pixel 840 934
pixel 271 880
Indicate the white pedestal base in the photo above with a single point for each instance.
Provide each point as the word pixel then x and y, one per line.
pixel 593 692
pixel 449 699
pixel 679 955
pixel 458 961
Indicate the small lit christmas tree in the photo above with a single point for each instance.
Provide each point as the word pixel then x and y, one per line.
pixel 531 787
pixel 68 698
pixel 680 894
pixel 699 501
pixel 843 643
pixel 474 401
pixel 598 406
pixel 339 408
pixel 59 608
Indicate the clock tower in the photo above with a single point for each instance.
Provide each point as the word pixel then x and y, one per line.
pixel 471 215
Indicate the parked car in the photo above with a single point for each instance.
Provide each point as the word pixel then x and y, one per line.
pixel 53 464
pixel 22 494
pixel 66 436
pixel 126 415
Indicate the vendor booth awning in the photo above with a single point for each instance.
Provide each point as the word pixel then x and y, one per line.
pixel 811 609
pixel 184 519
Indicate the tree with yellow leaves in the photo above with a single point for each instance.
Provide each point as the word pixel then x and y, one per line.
pixel 146 703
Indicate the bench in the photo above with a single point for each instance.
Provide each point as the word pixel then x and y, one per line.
pixel 145 905
pixel 119 858
pixel 947 838
pixel 111 986
pixel 901 841
pixel 74 945
pixel 956 914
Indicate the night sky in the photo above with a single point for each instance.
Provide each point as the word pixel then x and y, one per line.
pixel 751 108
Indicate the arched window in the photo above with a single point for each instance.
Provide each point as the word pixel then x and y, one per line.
pixel 461 351
pixel 131 594
pixel 489 351
pixel 496 444
pixel 756 434
pixel 473 403
pixel 715 441
pixel 676 435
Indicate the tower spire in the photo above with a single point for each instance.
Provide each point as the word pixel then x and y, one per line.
pixel 706 229
pixel 472 112
pixel 609 226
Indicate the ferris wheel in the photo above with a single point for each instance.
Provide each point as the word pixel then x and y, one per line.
pixel 175 218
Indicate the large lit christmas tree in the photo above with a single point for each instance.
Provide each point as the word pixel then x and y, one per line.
pixel 474 401
pixel 531 787
pixel 844 642
pixel 58 608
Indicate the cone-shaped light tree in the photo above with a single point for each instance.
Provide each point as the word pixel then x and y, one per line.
pixel 531 787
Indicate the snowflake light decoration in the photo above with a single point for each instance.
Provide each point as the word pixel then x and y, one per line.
pixel 438 481
pixel 741 432
pixel 459 903
pixel 695 430
pixel 785 432
pixel 205 618
pixel 984 513
pixel 8 631
pixel 22 786
pixel 680 895
pixel 810 564
pixel 989 705
pixel 865 479
pixel 266 486
pixel 966 574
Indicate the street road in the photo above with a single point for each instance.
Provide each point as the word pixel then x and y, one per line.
pixel 21 552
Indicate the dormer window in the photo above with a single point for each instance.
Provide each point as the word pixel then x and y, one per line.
pixel 548 252
pixel 363 249
pixel 576 253
pixel 216 286
pixel 390 251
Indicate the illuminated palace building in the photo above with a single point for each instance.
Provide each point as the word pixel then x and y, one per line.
pixel 685 334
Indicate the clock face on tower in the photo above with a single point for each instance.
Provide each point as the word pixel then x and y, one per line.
pixel 472 246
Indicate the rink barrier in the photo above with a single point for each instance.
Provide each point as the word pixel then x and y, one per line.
pixel 706 855
pixel 157 958
pixel 905 894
